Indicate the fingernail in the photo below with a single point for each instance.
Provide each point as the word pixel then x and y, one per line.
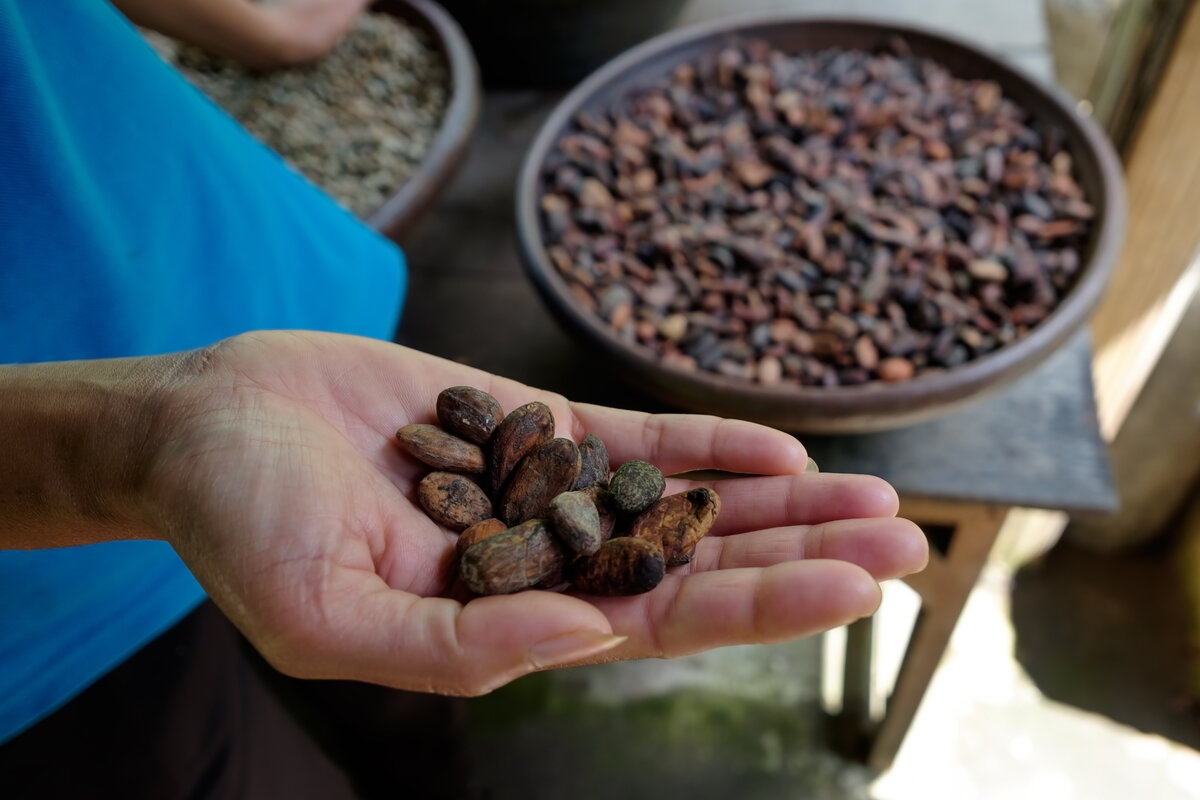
pixel 574 646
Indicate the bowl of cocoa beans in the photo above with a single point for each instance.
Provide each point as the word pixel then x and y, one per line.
pixel 824 225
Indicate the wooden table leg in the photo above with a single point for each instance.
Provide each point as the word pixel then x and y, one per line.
pixel 958 552
pixel 854 726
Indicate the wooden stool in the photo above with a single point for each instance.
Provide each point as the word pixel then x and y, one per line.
pixel 1034 444
pixel 961 537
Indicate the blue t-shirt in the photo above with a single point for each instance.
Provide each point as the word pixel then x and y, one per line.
pixel 137 218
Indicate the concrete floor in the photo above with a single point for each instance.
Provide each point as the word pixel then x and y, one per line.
pixel 1073 677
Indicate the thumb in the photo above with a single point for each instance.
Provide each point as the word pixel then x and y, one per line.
pixel 430 644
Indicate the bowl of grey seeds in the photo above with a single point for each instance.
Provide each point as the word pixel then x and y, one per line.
pixel 825 225
pixel 381 123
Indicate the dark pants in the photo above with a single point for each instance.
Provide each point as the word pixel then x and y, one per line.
pixel 198 714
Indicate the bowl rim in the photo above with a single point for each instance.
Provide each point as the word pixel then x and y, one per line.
pixel 946 386
pixel 401 211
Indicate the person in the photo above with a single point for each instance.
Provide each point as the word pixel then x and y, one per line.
pixel 197 403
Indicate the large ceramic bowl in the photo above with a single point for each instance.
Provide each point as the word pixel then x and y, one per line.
pixel 871 406
pixel 400 213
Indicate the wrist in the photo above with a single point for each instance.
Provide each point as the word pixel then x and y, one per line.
pixel 82 436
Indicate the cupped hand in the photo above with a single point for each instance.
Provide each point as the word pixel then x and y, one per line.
pixel 276 478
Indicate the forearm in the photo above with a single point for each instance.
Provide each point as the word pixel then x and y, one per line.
pixel 74 438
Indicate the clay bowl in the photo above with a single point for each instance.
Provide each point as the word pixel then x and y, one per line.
pixel 400 213
pixel 842 409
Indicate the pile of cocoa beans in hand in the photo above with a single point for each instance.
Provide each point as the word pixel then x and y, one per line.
pixel 538 512
pixel 826 218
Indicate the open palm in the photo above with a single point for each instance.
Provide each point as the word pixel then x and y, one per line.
pixel 276 479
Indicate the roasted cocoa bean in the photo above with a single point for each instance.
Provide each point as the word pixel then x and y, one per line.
pixel 677 522
pixel 622 566
pixel 635 485
pixel 547 471
pixel 593 463
pixel 522 430
pixel 478 532
pixel 440 450
pixel 453 500
pixel 469 413
pixel 515 559
pixel 574 519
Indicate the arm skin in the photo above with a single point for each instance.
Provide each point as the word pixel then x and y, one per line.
pixel 260 36
pixel 268 462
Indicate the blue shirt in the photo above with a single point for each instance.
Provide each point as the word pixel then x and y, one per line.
pixel 137 218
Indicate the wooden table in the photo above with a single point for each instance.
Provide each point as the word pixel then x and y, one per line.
pixel 1034 444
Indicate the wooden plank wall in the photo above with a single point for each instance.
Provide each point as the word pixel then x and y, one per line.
pixel 1153 285
pixel 1147 297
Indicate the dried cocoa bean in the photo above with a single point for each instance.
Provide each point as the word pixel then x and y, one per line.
pixel 593 463
pixel 622 566
pixel 838 190
pixel 518 434
pixel 602 500
pixel 478 532
pixel 677 522
pixel 453 500
pixel 635 485
pixel 575 520
pixel 559 534
pixel 512 560
pixel 547 471
pixel 443 451
pixel 896 369
pixel 469 413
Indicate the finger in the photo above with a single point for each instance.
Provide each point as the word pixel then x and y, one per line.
pixel 672 442
pixel 398 639
pixel 751 504
pixel 681 442
pixel 687 614
pixel 885 548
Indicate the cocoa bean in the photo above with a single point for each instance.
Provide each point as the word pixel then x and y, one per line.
pixel 443 451
pixel 547 471
pixel 635 485
pixel 478 532
pixel 574 519
pixel 561 535
pixel 518 434
pixel 838 190
pixel 453 500
pixel 622 566
pixel 593 463
pixel 896 369
pixel 677 522
pixel 602 500
pixel 512 560
pixel 469 413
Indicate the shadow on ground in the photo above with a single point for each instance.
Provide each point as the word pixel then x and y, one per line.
pixel 1116 633
pixel 735 723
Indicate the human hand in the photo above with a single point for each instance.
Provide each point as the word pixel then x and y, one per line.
pixel 305 30
pixel 266 35
pixel 274 474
